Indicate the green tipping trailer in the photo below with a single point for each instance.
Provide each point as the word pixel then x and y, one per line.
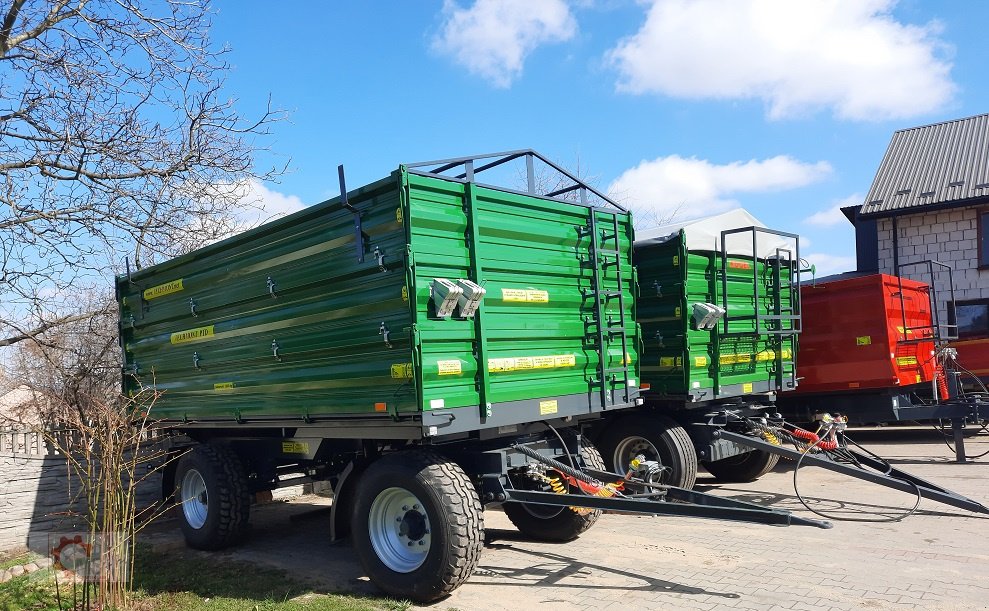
pixel 427 344
pixel 719 312
pixel 420 306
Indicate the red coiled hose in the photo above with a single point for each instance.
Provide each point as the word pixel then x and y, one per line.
pixel 814 439
pixel 942 383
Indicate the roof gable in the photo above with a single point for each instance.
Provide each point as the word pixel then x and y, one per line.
pixel 932 166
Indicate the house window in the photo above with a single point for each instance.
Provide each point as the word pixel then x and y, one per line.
pixel 972 318
pixel 983 239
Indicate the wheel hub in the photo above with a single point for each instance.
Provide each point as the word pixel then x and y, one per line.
pixel 399 530
pixel 194 498
pixel 630 447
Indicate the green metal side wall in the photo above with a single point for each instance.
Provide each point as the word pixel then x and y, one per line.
pixel 533 258
pixel 532 341
pixel 324 318
pixel 683 363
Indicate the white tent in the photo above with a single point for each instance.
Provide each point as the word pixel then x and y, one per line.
pixel 705 234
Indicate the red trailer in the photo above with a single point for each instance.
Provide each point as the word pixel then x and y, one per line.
pixel 973 353
pixel 865 332
pixel 867 351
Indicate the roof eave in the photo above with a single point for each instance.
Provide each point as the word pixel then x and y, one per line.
pixel 925 208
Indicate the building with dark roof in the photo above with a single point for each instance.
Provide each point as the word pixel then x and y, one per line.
pixel 930 201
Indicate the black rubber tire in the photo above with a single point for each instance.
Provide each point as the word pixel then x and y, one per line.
pixel 676 450
pixel 742 468
pixel 544 523
pixel 228 502
pixel 455 515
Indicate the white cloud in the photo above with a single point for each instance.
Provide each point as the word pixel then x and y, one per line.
pixel 851 56
pixel 829 217
pixel 830 264
pixel 696 187
pixel 493 37
pixel 261 204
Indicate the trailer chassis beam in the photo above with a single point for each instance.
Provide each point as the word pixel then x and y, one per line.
pixel 883 474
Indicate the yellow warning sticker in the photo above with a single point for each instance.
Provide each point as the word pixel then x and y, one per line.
pixel 405 293
pixel 449 368
pixel 398 215
pixel 525 295
pixel 669 361
pixel 903 361
pixel 734 359
pixel 223 386
pixel 676 312
pixel 163 289
pixel 564 360
pixel 548 407
pixel 918 378
pixel 401 371
pixel 676 260
pixel 523 363
pixel 863 340
pixel 700 361
pixel 295 447
pixel 192 335
pixel 902 330
pixel 760 357
pixel 747 387
pixel 543 362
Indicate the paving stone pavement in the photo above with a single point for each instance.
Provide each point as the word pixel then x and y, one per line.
pixel 936 559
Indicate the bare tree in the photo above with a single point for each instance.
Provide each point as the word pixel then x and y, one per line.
pixel 647 217
pixel 75 365
pixel 113 133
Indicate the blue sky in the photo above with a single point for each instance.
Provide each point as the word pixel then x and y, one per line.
pixel 784 108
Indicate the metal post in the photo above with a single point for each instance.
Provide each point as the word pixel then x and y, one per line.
pixel 530 174
pixel 956 431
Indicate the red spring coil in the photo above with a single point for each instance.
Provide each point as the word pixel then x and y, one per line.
pixel 828 445
pixel 942 383
pixel 805 435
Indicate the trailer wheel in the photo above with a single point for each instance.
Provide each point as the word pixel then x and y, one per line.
pixel 211 489
pixel 657 438
pixel 746 467
pixel 556 524
pixel 417 524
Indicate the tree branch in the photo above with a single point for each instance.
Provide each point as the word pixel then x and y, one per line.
pixel 46 326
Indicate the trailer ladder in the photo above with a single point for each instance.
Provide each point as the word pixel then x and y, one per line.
pixel 607 326
pixel 784 321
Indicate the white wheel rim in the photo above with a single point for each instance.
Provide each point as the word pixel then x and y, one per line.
pixel 195 500
pixel 399 530
pixel 629 448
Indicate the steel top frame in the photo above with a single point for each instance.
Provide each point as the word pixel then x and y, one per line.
pixel 470 168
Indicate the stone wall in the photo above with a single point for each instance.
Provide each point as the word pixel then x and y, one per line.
pixel 37 495
pixel 948 236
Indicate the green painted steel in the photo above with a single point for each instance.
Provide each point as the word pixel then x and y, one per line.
pixel 284 322
pixel 683 363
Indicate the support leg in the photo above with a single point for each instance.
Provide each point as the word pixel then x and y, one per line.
pixel 956 430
